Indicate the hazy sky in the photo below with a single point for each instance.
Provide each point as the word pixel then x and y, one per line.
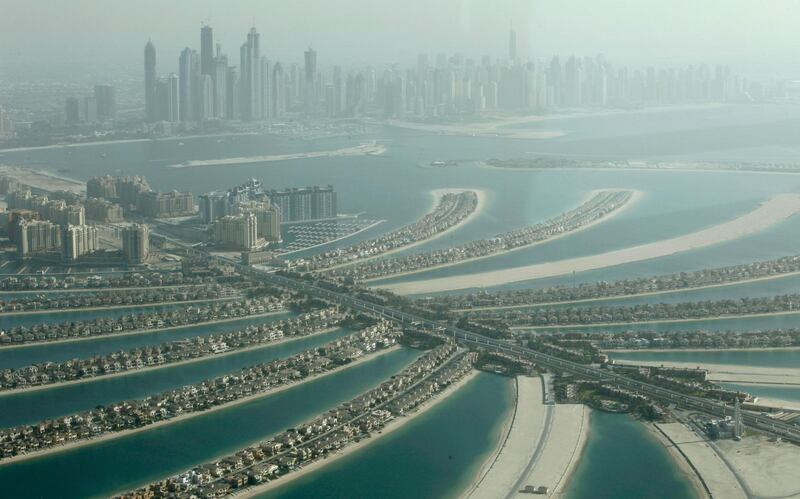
pixel 380 31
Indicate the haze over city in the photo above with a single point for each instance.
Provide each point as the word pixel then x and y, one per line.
pixel 760 37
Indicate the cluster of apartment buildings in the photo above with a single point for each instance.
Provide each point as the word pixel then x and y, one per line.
pixel 248 216
pixel 134 193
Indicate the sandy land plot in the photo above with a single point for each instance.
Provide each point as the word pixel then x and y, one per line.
pixel 776 209
pixel 769 469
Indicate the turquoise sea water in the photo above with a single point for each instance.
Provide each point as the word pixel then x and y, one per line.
pixel 623 461
pixel 436 455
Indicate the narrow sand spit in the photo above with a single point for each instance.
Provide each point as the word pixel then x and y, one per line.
pixel 362 150
pixel 776 209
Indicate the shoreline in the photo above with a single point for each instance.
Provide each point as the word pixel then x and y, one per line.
pixel 595 325
pixel 776 209
pixel 53 386
pixel 680 459
pixel 392 426
pixel 489 462
pixel 125 141
pixel 636 195
pixel 183 417
pixel 34 344
pixel 24 313
pixel 436 193
pixel 699 460
pixel 631 296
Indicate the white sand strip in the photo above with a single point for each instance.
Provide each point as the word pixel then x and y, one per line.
pixel 562 450
pixel 731 373
pixel 703 460
pixel 776 209
pixel 362 150
pixel 519 447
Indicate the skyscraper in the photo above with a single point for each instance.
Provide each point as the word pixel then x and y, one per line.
pixel 310 81
pixel 512 44
pixel 220 78
pixel 278 91
pixel 232 93
pixel 150 105
pixel 136 243
pixel 106 102
pixel 188 76
pixel 250 62
pixel 72 112
pixel 206 50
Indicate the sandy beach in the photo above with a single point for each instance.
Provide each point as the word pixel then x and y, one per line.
pixel 140 331
pixel 392 426
pixel 361 150
pixel 773 211
pixel 260 346
pixel 732 373
pixel 234 403
pixel 542 447
pixel 636 195
pixel 709 474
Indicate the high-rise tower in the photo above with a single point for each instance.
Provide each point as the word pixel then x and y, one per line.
pixel 188 78
pixel 150 106
pixel 512 44
pixel 309 88
pixel 250 66
pixel 206 50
